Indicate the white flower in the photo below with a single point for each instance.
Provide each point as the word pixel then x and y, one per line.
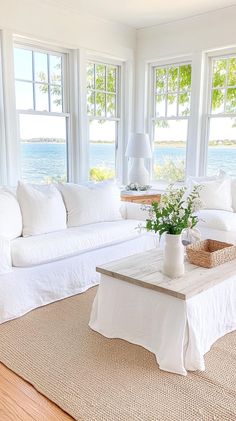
pixel 181 213
pixel 197 204
pixel 151 215
pixel 161 205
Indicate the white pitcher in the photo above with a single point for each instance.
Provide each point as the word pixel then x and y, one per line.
pixel 173 264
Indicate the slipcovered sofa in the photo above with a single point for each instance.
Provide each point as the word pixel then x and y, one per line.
pixel 52 238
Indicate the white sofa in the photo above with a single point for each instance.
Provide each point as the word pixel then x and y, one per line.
pixel 50 266
pixel 55 259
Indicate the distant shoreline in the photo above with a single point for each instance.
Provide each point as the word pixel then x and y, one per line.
pixel 171 145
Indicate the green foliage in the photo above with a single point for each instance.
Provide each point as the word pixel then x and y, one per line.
pixel 162 124
pixel 224 85
pixel 101 173
pixel 185 77
pixel 174 212
pixel 101 90
pixel 173 84
pixel 55 84
pixel 171 170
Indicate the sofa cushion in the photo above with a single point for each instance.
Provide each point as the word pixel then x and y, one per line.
pixel 10 215
pixel 42 209
pixel 217 219
pixel 90 204
pixel 53 246
pixel 216 194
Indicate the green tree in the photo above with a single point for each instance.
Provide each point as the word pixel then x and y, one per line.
pixel 55 84
pixel 101 90
pixel 174 83
pixel 224 85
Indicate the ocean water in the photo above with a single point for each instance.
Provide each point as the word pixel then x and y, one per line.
pixel 42 160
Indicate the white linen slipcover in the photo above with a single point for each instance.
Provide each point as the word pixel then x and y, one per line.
pixel 58 245
pixel 178 332
pixel 5 255
pixel 25 289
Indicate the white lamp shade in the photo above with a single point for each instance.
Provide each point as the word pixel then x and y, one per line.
pixel 138 146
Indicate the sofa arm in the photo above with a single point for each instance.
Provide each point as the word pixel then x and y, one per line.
pixel 5 255
pixel 135 211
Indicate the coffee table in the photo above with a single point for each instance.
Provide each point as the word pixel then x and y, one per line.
pixel 176 319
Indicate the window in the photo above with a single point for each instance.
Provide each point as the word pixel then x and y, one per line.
pixel 103 112
pixel 40 103
pixel 171 111
pixel 222 116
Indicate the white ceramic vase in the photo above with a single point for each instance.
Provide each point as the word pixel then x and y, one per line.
pixel 173 262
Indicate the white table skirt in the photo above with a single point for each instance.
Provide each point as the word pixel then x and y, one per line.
pixel 178 332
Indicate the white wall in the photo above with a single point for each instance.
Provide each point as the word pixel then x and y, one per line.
pixel 40 20
pixel 201 33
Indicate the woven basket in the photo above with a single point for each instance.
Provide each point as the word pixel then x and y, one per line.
pixel 210 253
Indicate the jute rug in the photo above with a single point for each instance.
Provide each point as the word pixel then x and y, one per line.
pixel 98 379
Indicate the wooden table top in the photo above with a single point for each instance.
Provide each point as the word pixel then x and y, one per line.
pixel 144 269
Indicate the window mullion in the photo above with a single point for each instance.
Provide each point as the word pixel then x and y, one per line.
pixel 226 83
pixel 33 81
pixel 105 93
pixel 154 99
pixel 166 91
pixel 178 92
pixel 49 83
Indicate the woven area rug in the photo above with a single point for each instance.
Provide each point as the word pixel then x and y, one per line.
pixel 98 379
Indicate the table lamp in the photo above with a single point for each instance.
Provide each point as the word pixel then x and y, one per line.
pixel 138 148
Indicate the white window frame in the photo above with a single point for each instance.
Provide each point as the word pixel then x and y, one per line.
pixel 119 147
pixel 218 54
pixel 3 145
pixel 178 61
pixel 64 53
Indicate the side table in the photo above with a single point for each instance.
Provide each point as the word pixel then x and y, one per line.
pixel 142 197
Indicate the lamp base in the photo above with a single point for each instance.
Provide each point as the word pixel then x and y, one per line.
pixel 138 172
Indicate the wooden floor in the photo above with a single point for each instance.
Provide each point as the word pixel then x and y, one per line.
pixel 20 401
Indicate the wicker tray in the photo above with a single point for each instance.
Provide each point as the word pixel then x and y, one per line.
pixel 210 253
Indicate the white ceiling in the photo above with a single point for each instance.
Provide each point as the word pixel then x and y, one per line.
pixel 143 13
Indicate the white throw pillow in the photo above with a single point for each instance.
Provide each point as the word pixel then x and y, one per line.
pixel 191 180
pixel 87 205
pixel 42 209
pixel 5 256
pixel 216 194
pixel 10 215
